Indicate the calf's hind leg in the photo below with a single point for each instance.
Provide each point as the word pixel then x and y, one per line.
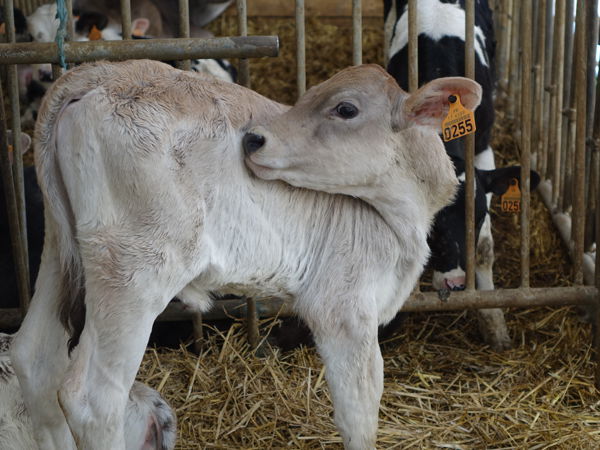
pixel 120 311
pixel 39 355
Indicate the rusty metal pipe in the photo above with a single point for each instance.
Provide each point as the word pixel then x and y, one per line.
pixel 470 151
pixel 526 105
pixel 244 72
pixel 184 29
pixel 126 19
pixel 356 32
pixel 300 48
pixel 557 96
pixel 160 49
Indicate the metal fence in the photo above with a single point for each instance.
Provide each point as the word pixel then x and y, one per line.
pixel 546 65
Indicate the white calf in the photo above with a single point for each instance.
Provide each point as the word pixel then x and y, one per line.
pixel 147 197
pixel 150 423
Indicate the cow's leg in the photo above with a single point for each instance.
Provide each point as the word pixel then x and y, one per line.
pixel 94 393
pixel 39 355
pixel 347 341
pixel 492 324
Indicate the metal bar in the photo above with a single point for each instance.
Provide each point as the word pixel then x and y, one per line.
pixel 161 49
pixel 505 46
pixel 470 151
pixel 356 32
pixel 244 75
pixel 126 19
pixel 539 135
pixel 579 162
pixel 184 29
pixel 413 47
pixel 21 260
pixel 592 65
pixel 568 121
pixel 546 93
pixel 252 323
pixel 513 63
pixel 70 22
pixel 526 40
pixel 557 96
pixel 12 210
pixel 300 48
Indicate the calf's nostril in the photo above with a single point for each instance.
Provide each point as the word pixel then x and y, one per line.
pixel 252 142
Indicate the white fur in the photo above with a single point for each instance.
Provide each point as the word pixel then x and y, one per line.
pixel 436 20
pixel 146 412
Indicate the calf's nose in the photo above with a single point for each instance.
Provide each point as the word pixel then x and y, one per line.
pixel 252 142
pixel 455 284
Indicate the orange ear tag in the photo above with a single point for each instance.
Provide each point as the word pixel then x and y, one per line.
pixel 459 122
pixel 511 199
pixel 10 153
pixel 2 28
pixel 138 32
pixel 95 34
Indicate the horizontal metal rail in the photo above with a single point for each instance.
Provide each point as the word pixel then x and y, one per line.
pixel 161 49
pixel 418 302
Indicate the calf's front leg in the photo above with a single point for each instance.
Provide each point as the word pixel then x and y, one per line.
pixel 354 372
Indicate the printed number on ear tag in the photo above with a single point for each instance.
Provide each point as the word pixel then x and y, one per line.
pixel 511 199
pixel 459 122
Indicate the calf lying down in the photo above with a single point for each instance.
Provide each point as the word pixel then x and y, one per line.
pixel 150 423
pixel 147 197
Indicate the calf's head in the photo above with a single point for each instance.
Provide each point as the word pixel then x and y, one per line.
pixel 358 131
pixel 447 238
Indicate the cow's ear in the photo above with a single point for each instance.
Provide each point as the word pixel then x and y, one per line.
pixel 25 140
pixel 429 105
pixel 140 26
pixel 498 180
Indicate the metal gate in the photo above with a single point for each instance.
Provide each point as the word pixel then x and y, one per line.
pixel 546 70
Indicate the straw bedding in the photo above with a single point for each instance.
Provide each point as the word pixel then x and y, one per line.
pixel 443 387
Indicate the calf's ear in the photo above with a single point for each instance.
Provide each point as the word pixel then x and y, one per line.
pixel 498 180
pixel 429 105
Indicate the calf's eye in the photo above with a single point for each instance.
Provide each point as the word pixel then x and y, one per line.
pixel 346 110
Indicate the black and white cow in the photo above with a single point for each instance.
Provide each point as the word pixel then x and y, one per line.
pixel 441 50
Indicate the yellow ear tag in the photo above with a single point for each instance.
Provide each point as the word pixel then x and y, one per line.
pixel 138 32
pixel 511 199
pixel 95 34
pixel 459 122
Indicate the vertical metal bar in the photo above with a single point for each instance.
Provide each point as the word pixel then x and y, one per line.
pixel 300 48
pixel 513 63
pixel 12 210
pixel 526 92
pixel 413 47
pixel 197 331
pixel 505 46
pixel 184 29
pixel 557 95
pixel 470 150
pixel 356 32
pixel 538 115
pixel 70 26
pixel 592 65
pixel 252 318
pixel 568 120
pixel 126 18
pixel 19 234
pixel 577 231
pixel 549 19
pixel 244 78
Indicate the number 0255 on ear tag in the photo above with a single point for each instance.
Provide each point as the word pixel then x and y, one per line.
pixel 511 199
pixel 459 122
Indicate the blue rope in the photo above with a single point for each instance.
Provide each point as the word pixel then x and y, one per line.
pixel 61 33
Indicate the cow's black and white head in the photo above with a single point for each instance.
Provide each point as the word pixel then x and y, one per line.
pixel 447 238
